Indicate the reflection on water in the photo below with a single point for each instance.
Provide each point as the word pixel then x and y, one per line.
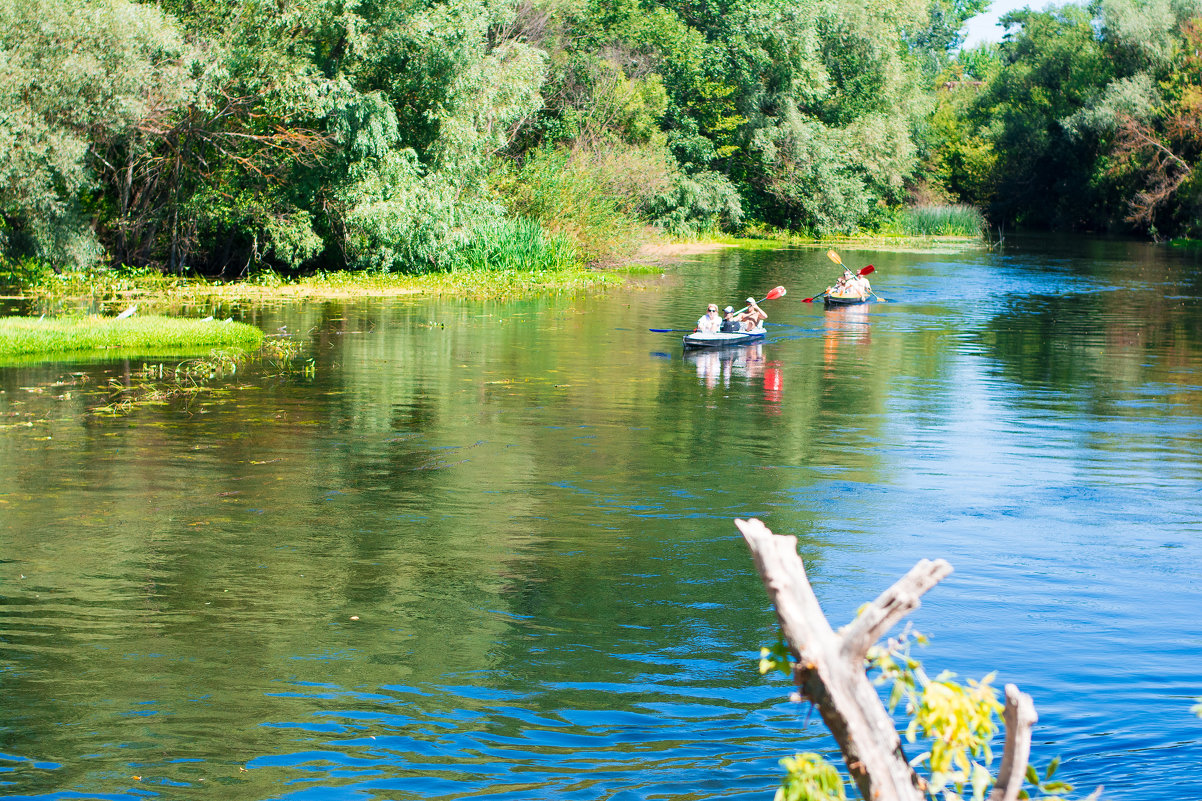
pixel 486 550
pixel 744 363
pixel 847 328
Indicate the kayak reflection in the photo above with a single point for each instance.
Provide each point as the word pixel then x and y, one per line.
pixel 844 324
pixel 745 363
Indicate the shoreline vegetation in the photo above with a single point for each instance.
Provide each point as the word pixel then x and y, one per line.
pixel 37 282
pixel 476 138
pixel 161 334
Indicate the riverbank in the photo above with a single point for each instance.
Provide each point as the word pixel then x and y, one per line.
pixel 107 290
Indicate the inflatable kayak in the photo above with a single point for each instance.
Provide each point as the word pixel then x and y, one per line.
pixel 697 339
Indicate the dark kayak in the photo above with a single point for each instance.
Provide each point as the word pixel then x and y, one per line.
pixel 845 300
pixel 722 340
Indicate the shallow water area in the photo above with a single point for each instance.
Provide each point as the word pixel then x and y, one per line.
pixel 485 548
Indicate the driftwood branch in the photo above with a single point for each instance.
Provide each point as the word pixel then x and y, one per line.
pixel 831 671
pixel 1020 717
pixel 890 607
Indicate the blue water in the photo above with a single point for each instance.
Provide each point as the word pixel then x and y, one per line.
pixel 488 551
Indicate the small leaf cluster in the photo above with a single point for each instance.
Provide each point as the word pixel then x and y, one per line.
pixel 957 721
pixel 1052 789
pixel 809 777
pixel 776 658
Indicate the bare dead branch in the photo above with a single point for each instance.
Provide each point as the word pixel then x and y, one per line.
pixel 1020 717
pixel 841 691
pixel 890 607
pixel 831 671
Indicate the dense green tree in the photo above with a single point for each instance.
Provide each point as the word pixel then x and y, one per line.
pixel 222 135
pixel 809 108
pixel 335 133
pixel 1055 65
pixel 75 77
pixel 1084 120
pixel 935 45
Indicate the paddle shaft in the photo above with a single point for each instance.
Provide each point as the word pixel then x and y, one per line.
pixel 773 295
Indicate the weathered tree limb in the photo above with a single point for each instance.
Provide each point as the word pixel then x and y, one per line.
pixel 838 686
pixel 1020 717
pixel 830 671
pixel 890 607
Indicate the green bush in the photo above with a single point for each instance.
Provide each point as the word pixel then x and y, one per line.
pixel 697 204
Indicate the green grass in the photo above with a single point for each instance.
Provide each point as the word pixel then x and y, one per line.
pixel 517 244
pixel 946 220
pixel 139 334
pixel 480 283
pixel 510 283
pixel 119 288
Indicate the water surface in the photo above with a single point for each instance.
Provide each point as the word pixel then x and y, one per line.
pixel 486 550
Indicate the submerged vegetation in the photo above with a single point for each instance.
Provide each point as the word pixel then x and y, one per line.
pixel 204 378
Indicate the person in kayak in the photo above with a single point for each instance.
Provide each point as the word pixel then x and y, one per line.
pixel 710 322
pixel 850 284
pixel 860 284
pixel 752 319
pixel 730 323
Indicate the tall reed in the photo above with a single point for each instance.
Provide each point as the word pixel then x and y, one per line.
pixel 592 196
pixel 516 244
pixel 942 220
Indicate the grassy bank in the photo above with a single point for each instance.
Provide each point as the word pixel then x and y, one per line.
pixel 465 283
pixel 105 288
pixel 126 284
pixel 140 334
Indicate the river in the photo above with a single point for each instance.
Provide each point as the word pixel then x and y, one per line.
pixel 486 550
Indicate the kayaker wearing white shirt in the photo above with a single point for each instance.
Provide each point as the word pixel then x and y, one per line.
pixel 711 321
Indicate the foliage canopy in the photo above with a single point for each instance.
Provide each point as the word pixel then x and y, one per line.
pixel 223 137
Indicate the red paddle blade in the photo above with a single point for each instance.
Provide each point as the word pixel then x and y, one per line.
pixel 808 300
pixel 775 293
pixel 866 270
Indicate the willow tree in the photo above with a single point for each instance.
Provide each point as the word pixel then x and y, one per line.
pixel 73 77
pixel 437 100
pixel 383 116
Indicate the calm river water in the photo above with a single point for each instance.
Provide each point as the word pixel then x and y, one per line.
pixel 487 550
